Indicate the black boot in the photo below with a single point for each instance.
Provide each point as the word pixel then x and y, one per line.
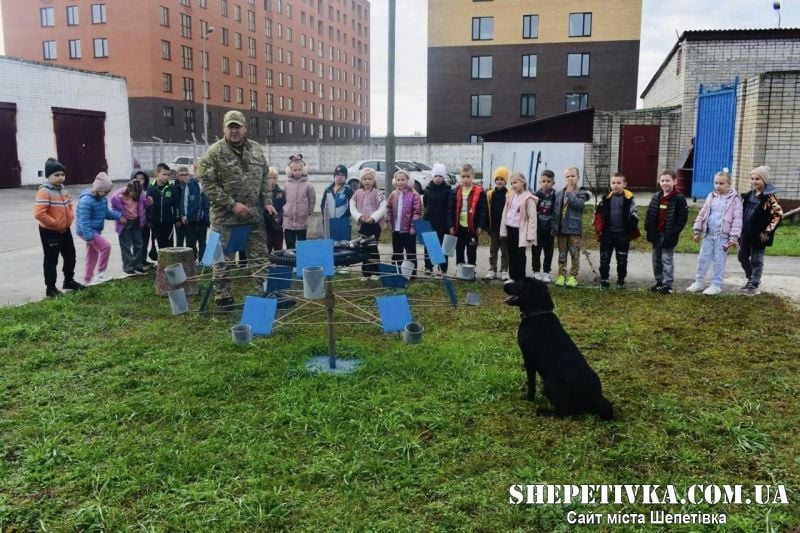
pixel 52 292
pixel 72 285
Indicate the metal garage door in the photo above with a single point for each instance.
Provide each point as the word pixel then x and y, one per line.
pixel 716 116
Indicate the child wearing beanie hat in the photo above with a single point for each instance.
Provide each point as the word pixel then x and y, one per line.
pixel 761 216
pixel 336 198
pixel 93 211
pixel 53 210
pixel 496 202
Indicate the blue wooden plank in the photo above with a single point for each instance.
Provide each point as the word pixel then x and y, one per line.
pixel 714 135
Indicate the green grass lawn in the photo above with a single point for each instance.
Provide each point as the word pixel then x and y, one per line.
pixel 115 415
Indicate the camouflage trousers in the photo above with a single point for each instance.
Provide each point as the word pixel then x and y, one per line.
pixel 256 260
pixel 569 244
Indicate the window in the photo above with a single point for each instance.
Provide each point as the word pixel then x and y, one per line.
pixel 267 27
pixel 72 16
pixel 99 14
pixel 226 93
pixel 165 16
pixel 281 103
pixel 239 68
pixel 290 104
pixel 580 24
pixel 47 16
pixel 268 53
pixel 237 40
pixel 166 82
pixel 237 13
pixel 239 95
pixel 251 47
pixel 475 139
pixel 74 49
pixel 223 8
pixel 482 28
pixel 577 65
pixel 270 103
pixel 204 4
pixel 225 36
pixel 186 26
pixel 187 59
pixel 166 50
pixel 188 89
pixel 481 105
pixel 529 62
pixel 252 73
pixel 206 90
pixel 481 67
pixel 169 115
pixel 204 59
pixel 576 101
pixel 251 20
pixel 269 77
pixel 49 50
pixel 253 100
pixel 187 3
pixel 226 65
pixel 188 120
pixel 100 47
pixel 253 126
pixel 270 127
pixel 527 105
pixel 530 27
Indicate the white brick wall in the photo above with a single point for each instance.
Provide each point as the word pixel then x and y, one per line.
pixel 668 89
pixel 36 88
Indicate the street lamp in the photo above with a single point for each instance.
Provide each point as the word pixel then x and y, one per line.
pixel 204 66
pixel 777 7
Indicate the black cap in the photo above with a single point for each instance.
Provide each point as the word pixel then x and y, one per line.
pixel 52 166
pixel 340 169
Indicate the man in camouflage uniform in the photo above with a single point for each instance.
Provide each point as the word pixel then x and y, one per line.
pixel 233 173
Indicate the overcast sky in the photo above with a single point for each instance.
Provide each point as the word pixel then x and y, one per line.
pixel 661 20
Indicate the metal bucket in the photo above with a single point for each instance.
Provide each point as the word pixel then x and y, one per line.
pixel 177 300
pixel 412 334
pixel 466 272
pixel 175 274
pixel 242 334
pixel 407 269
pixel 449 245
pixel 313 286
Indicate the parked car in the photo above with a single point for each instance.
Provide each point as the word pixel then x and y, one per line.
pixel 420 173
pixel 181 160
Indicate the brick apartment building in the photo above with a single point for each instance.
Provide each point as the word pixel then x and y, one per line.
pixel 299 70
pixel 494 64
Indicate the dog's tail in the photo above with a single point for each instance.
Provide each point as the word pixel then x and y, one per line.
pixel 604 409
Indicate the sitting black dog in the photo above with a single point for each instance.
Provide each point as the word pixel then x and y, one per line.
pixel 569 382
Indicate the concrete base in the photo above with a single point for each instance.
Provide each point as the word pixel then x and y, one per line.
pixel 321 365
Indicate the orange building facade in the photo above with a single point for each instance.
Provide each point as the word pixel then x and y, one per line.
pixel 298 70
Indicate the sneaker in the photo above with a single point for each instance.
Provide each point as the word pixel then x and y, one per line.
pixel 620 285
pixel 153 254
pixel 545 277
pixel 538 276
pixel 52 292
pixel 130 273
pixel 560 280
pixel 144 268
pixel 140 270
pixel 695 287
pixel 712 290
pixel 604 284
pixel 656 287
pixel 73 285
pixel 572 281
pixel 101 277
pixel 490 275
pixel 745 287
pixel 665 289
pixel 504 275
pixel 752 290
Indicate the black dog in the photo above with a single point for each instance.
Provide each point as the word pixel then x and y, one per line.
pixel 569 382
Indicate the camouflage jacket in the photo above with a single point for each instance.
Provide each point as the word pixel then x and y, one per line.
pixel 228 177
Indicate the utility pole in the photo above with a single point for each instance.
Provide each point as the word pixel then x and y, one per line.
pixel 204 65
pixel 390 141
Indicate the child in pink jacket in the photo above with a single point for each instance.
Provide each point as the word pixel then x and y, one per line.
pixel 402 209
pixel 518 225
pixel 300 200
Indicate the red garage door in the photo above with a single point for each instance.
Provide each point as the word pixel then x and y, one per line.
pixel 10 171
pixel 638 156
pixel 80 142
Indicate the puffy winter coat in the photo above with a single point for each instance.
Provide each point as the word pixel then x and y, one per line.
pixel 93 212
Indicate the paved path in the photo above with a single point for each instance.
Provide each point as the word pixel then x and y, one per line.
pixel 21 257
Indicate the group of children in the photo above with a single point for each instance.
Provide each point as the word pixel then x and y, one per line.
pixel 174 213
pixel 514 219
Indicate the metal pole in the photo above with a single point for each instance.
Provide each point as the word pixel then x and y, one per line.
pixel 204 66
pixel 329 303
pixel 390 141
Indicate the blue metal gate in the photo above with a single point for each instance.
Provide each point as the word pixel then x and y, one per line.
pixel 713 147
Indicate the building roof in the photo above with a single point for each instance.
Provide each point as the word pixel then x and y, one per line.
pixel 575 126
pixel 61 67
pixel 723 35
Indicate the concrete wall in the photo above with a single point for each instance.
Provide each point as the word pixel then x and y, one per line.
pixel 323 158
pixel 768 131
pixel 36 88
pixel 668 88
pixel 602 156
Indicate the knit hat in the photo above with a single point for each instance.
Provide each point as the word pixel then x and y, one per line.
pixel 439 170
pixel 340 170
pixel 762 172
pixel 51 166
pixel 102 183
pixel 502 173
